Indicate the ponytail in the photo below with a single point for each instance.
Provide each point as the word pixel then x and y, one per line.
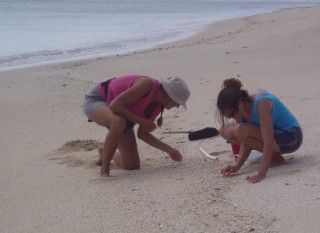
pixel 232 92
pixel 160 119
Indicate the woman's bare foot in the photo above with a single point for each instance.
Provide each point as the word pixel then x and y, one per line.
pixel 100 150
pixel 105 172
pixel 99 161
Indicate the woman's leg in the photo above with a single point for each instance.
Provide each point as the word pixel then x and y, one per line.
pixel 227 132
pixel 105 117
pixel 128 157
pixel 251 136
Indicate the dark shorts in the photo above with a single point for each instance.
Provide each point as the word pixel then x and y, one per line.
pixel 93 100
pixel 288 142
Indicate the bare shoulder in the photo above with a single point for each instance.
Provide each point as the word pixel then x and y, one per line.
pixel 141 85
pixel 264 106
pixel 256 93
pixel 143 81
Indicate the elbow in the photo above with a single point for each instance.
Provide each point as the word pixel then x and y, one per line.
pixel 140 135
pixel 113 107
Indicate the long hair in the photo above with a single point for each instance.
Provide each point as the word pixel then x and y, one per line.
pixel 229 96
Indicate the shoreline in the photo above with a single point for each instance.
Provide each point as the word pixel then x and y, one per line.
pixel 152 46
pixel 48 177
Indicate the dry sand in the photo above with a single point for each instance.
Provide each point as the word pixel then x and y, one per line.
pixel 49 182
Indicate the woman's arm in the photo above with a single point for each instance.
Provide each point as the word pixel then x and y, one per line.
pixel 157 143
pixel 266 125
pixel 243 156
pixel 140 88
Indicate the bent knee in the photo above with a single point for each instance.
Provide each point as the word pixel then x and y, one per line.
pixel 130 163
pixel 237 130
pixel 131 166
pixel 227 133
pixel 244 130
pixel 119 122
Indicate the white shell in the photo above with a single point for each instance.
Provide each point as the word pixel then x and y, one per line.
pixel 207 154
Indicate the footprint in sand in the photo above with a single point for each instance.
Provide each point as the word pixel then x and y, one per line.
pixel 77 145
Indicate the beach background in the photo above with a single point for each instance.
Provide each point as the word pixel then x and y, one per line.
pixel 37 32
pixel 49 182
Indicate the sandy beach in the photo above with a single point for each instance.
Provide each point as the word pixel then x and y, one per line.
pixel 48 177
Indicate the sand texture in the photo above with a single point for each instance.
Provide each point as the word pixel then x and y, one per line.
pixel 48 177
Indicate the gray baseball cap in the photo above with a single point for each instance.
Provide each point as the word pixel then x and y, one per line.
pixel 177 90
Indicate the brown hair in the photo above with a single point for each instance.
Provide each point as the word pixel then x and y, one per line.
pixel 228 98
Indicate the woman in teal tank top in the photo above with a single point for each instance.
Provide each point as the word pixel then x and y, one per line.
pixel 257 121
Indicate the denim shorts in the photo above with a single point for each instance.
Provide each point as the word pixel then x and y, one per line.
pixel 288 142
pixel 93 100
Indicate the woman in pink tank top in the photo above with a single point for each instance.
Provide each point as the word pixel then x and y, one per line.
pixel 122 102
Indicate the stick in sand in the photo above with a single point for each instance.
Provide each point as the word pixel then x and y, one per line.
pixel 174 132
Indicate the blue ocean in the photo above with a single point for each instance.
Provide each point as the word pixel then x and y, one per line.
pixel 47 31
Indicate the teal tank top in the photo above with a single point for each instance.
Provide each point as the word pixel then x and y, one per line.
pixel 282 118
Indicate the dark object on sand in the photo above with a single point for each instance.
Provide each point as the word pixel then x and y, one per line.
pixel 207 132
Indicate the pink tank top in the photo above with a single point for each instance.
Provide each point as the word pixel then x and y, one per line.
pixel 122 83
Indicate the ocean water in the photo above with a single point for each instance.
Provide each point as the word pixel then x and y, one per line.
pixel 46 31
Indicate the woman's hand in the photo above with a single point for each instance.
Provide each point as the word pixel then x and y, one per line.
pixel 175 155
pixel 256 178
pixel 229 170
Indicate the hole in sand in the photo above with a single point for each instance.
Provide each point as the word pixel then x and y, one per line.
pixel 70 154
pixel 77 145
